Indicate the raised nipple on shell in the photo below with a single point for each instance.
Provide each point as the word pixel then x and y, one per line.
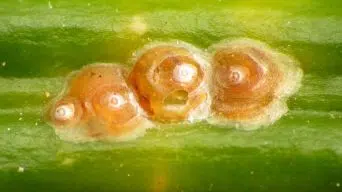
pixel 114 101
pixel 171 81
pixel 233 75
pixel 184 73
pixel 114 104
pixel 65 112
pixel 251 82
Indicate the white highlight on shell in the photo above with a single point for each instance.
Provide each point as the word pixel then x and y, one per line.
pixel 184 73
pixel 65 112
pixel 237 75
pixel 115 101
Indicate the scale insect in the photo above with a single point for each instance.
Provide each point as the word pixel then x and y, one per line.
pixel 251 83
pixel 102 105
pixel 242 83
pixel 171 82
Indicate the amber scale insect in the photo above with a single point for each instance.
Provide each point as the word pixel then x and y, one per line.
pixel 98 102
pixel 251 83
pixel 171 81
pixel 242 83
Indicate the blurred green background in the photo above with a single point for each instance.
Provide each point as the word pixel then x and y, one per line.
pixel 42 41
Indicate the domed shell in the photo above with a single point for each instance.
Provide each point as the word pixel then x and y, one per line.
pixel 66 112
pixel 171 82
pixel 109 105
pixel 248 83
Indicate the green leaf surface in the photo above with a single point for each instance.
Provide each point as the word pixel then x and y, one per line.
pixel 43 41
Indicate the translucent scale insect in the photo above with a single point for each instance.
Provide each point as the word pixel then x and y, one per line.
pixel 97 102
pixel 250 83
pixel 171 81
pixel 242 83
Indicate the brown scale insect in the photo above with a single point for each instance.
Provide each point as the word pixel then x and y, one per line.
pixel 98 100
pixel 250 82
pixel 247 85
pixel 171 82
